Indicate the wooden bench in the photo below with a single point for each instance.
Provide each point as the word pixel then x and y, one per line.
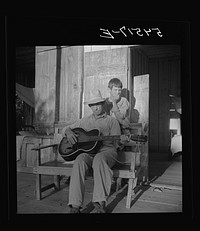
pixel 58 168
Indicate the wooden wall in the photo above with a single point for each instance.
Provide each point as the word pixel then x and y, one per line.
pixel 138 66
pixel 63 84
pixel 141 95
pixel 139 62
pixel 45 85
pixel 25 66
pixel 27 158
pixel 71 84
pixel 164 80
pixel 58 85
pixel 101 66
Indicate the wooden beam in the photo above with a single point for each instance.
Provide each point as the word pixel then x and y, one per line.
pixel 58 76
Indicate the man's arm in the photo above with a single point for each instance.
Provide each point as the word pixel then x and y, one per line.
pixel 116 130
pixel 121 111
pixel 119 115
pixel 67 131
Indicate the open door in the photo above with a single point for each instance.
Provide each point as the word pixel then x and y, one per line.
pixel 140 114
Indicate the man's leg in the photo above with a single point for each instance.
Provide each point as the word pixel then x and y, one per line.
pixel 102 165
pixel 77 182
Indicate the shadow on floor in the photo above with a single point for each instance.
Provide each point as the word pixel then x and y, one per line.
pixel 157 167
pixel 119 197
pixel 53 190
pixel 140 189
pixel 89 208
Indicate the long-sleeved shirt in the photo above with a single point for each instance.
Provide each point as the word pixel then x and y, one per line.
pixel 106 124
pixel 123 106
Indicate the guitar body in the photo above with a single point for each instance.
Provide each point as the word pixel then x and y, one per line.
pixel 83 145
pixel 87 142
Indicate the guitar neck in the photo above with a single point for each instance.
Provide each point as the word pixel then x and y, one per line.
pixel 101 138
pixel 115 137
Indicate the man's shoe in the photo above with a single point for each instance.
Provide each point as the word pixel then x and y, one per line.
pixel 74 210
pixel 99 207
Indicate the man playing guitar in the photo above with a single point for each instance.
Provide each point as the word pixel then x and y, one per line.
pixel 101 162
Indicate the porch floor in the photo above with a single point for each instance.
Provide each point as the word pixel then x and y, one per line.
pixel 157 197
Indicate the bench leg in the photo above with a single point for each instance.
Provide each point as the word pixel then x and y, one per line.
pixel 129 194
pixel 118 183
pixel 134 186
pixel 131 185
pixel 57 181
pixel 38 187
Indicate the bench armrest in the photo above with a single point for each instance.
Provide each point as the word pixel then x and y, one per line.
pixel 38 153
pixel 44 146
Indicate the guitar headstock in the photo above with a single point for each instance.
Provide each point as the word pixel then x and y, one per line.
pixel 139 138
pixel 144 138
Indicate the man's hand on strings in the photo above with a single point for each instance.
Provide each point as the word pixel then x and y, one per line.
pixel 71 136
pixel 124 139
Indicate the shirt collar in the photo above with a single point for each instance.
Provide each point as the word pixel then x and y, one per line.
pixel 100 116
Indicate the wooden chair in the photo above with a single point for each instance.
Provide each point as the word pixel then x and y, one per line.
pixel 129 166
pixel 57 168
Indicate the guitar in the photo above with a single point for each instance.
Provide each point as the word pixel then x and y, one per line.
pixel 88 142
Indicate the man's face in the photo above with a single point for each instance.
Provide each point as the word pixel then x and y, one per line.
pixel 96 108
pixel 115 92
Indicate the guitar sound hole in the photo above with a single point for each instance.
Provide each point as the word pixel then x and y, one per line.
pixel 75 147
pixel 68 150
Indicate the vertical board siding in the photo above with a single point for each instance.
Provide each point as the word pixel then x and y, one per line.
pixel 164 136
pixel 175 84
pixel 141 94
pixel 138 66
pixel 79 73
pixel 100 67
pixel 71 84
pixel 164 80
pixel 139 62
pixel 153 105
pixel 45 85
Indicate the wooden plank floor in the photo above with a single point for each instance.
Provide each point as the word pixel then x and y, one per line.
pixel 148 199
pixel 167 173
